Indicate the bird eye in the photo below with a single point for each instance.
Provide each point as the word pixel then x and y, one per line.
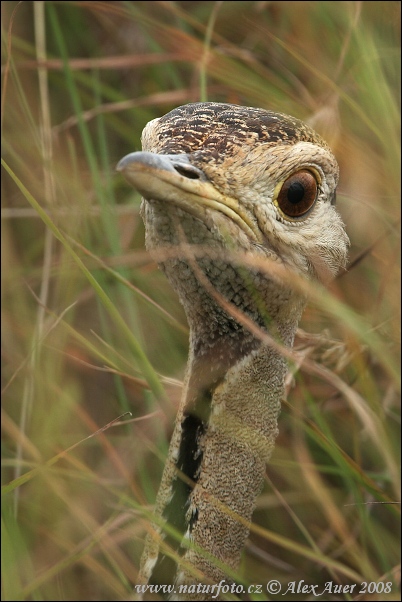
pixel 297 194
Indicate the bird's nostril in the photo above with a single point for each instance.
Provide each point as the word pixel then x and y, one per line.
pixel 187 172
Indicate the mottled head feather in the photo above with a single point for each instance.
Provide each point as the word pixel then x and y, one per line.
pixel 219 129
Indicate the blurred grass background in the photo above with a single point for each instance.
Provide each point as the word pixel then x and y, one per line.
pixel 91 329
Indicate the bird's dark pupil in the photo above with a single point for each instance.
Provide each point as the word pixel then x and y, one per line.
pixel 295 193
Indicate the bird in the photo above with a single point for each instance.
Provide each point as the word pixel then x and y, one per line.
pixel 238 203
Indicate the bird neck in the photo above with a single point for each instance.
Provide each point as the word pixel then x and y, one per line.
pixel 224 434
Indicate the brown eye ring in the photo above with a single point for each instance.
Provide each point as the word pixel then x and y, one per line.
pixel 297 194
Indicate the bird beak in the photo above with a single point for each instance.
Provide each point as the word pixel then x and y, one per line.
pixel 173 179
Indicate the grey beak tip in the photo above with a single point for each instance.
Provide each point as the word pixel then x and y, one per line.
pixel 126 160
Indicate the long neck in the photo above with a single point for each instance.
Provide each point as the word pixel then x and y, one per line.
pixel 224 435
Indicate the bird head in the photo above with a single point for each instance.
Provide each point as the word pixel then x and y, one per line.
pixel 226 177
pixel 262 179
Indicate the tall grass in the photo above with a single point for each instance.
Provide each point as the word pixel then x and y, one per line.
pixel 92 331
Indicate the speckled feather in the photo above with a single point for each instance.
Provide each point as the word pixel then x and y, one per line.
pixel 219 130
pixel 234 383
